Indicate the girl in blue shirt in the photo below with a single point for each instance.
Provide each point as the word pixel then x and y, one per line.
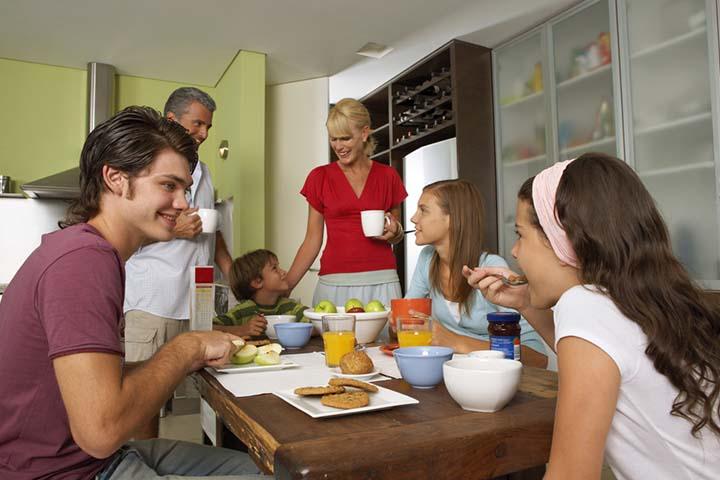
pixel 449 220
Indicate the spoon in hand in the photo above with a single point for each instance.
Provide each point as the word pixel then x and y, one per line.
pixel 512 280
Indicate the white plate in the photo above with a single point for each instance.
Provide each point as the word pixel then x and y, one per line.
pixel 254 367
pixel 313 315
pixel 381 400
pixel 360 376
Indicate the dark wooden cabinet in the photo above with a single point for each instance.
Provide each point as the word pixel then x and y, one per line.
pixel 446 94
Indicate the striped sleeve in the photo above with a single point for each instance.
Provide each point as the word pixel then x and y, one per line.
pixel 240 314
pixel 288 306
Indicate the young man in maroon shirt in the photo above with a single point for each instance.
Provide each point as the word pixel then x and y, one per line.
pixel 67 409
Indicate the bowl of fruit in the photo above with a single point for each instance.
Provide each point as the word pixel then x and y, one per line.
pixel 369 318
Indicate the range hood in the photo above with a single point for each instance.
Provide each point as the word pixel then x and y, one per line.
pixel 101 105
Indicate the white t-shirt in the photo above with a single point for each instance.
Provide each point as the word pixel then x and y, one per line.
pixel 644 441
pixel 158 276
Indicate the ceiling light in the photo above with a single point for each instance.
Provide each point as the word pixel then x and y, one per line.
pixel 374 50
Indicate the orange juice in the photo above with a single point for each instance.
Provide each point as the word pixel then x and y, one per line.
pixel 337 344
pixel 414 338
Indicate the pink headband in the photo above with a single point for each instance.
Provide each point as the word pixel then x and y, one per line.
pixel 544 189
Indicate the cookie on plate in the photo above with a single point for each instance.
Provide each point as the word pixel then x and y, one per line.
pixel 351 382
pixel 316 391
pixel 346 400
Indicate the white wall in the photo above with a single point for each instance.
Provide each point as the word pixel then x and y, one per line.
pixel 24 221
pixel 296 142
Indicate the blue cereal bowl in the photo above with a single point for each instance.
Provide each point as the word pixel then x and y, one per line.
pixel 293 335
pixel 422 367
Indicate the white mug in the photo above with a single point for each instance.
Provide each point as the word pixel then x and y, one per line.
pixel 373 222
pixel 209 218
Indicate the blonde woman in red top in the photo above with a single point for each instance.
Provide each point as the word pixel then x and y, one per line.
pixel 352 265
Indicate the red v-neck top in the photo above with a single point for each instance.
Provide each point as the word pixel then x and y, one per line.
pixel 347 249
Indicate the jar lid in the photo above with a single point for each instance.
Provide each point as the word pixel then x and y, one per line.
pixel 503 317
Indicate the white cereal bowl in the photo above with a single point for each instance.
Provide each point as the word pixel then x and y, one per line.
pixel 482 384
pixel 274 319
pixel 487 354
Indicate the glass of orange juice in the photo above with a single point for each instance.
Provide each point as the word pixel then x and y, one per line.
pixel 414 331
pixel 338 332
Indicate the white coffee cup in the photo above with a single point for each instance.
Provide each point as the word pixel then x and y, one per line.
pixel 209 218
pixel 373 222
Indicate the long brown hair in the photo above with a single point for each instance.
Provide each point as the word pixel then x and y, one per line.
pixel 623 246
pixel 462 201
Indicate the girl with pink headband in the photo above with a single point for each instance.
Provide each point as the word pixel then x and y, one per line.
pixel 638 343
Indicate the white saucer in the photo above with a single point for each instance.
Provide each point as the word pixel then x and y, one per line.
pixel 360 376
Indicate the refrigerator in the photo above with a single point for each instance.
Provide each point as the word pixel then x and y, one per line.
pixel 423 166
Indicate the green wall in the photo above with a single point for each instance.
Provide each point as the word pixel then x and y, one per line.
pixel 240 120
pixel 42 119
pixel 43 123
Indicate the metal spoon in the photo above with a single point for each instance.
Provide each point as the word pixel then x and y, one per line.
pixel 512 281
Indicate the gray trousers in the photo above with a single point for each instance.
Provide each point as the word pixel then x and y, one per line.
pixel 171 459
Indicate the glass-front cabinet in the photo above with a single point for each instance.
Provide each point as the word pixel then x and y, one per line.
pixel 669 85
pixel 521 112
pixel 554 100
pixel 638 79
pixel 584 100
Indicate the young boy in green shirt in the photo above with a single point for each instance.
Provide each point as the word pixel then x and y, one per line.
pixel 258 282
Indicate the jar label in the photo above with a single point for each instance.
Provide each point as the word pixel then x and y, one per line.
pixel 509 345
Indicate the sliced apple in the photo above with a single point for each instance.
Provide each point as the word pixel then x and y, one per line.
pixel 269 358
pixel 273 347
pixel 244 355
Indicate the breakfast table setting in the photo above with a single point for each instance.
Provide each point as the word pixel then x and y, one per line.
pixel 418 411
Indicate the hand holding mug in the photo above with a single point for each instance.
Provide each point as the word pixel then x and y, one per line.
pixel 188 224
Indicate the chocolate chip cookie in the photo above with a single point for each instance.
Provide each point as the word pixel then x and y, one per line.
pixel 351 382
pixel 317 391
pixel 346 400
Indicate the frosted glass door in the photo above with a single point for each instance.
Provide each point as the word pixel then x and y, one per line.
pixel 584 82
pixel 522 119
pixel 672 130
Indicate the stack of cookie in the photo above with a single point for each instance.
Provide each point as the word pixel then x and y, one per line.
pixel 344 393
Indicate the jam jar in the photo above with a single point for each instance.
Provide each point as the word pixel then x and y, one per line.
pixel 504 330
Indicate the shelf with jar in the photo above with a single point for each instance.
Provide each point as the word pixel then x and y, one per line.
pixel 595 74
pixel 587 60
pixel 572 139
pixel 527 91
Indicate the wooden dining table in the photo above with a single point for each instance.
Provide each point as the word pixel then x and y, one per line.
pixel 432 439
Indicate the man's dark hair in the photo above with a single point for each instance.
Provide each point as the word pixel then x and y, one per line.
pixel 180 100
pixel 129 141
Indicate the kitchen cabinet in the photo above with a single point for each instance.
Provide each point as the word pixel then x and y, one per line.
pixel 633 78
pixel 670 83
pixel 555 98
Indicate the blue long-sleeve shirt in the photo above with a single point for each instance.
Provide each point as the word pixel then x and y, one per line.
pixel 473 323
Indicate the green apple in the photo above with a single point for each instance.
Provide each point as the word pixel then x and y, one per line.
pixel 244 355
pixel 325 306
pixel 269 358
pixel 354 306
pixel 273 347
pixel 374 306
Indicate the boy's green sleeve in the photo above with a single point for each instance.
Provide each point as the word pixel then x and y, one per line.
pixel 240 314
